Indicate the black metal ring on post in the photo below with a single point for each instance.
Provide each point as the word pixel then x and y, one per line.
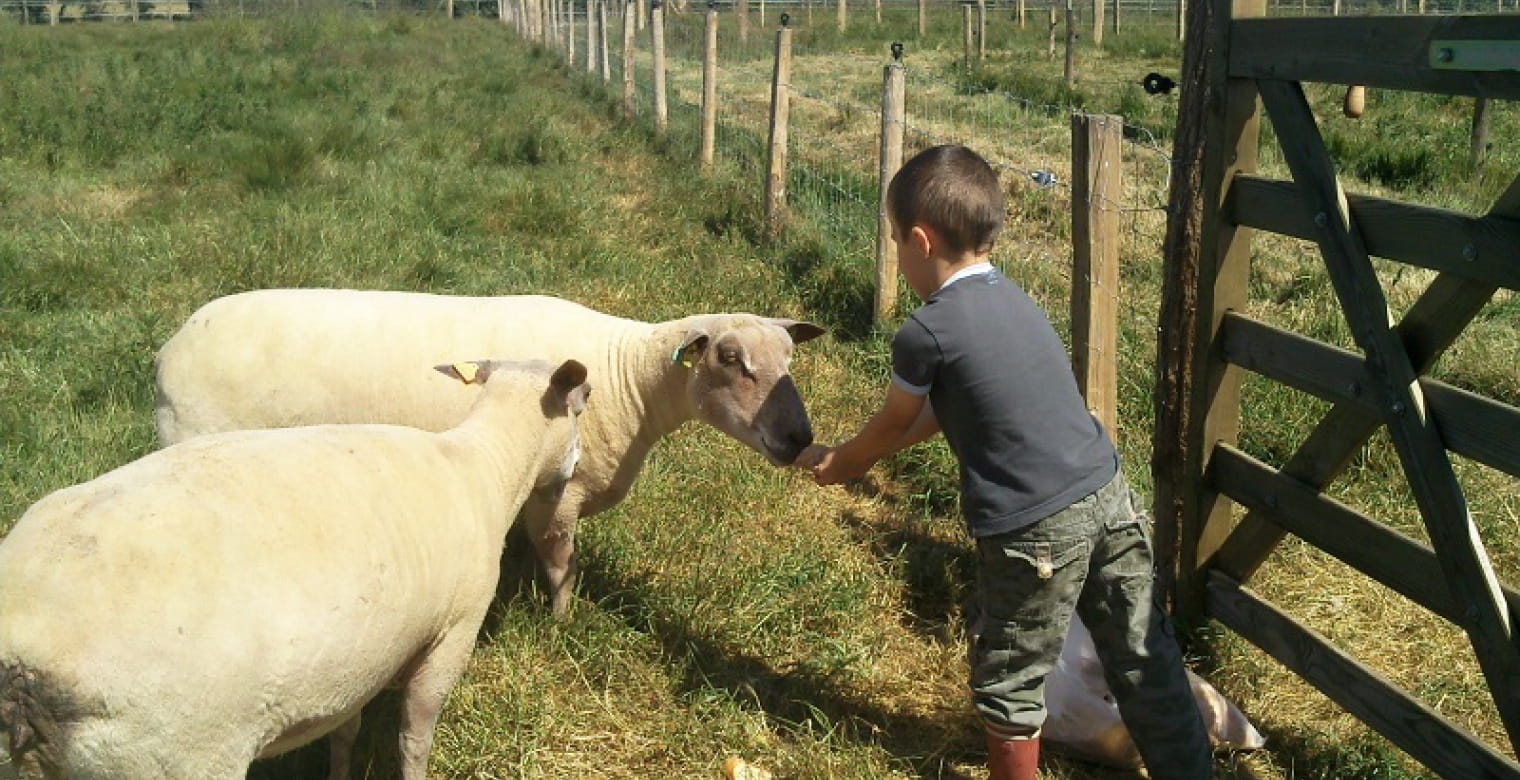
pixel 897 50
pixel 653 4
pixel 786 19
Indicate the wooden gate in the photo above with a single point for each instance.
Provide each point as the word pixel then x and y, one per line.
pixel 1220 512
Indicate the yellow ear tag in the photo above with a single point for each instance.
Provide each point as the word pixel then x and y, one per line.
pixel 467 372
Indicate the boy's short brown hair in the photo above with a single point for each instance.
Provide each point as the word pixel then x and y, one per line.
pixel 952 191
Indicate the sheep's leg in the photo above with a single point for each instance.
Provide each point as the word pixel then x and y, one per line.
pixel 340 747
pixel 553 536
pixel 426 689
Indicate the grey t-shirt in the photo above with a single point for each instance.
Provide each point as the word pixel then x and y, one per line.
pixel 1002 388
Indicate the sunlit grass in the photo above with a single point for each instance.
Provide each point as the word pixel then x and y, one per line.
pixel 727 607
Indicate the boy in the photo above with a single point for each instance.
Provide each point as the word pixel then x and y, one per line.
pixel 1041 489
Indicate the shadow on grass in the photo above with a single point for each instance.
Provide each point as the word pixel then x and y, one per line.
pixel 793 697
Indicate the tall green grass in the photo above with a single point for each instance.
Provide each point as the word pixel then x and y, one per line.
pixel 727 607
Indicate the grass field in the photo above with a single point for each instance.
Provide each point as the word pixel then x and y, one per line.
pixel 727 608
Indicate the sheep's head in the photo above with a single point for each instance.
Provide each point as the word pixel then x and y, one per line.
pixel 740 381
pixel 561 403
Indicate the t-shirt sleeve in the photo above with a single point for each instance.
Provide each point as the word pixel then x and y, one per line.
pixel 915 358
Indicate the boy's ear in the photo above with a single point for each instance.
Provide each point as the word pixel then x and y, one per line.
pixel 923 239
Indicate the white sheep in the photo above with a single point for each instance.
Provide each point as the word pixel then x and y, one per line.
pixel 238 595
pixel 292 357
pixel 1083 715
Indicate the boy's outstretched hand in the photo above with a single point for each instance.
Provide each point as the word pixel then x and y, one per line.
pixel 811 457
pixel 826 467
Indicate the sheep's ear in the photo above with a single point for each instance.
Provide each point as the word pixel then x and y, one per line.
pixel 694 344
pixel 470 372
pixel 800 331
pixel 569 383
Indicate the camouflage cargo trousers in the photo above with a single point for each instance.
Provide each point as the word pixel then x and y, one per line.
pixel 1093 558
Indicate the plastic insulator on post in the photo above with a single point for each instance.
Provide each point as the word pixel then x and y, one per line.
pixel 712 5
pixel 786 20
pixel 1157 84
pixel 654 4
pixel 897 50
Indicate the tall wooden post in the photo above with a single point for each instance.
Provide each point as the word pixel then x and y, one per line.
pixel 741 10
pixel 923 18
pixel 1021 11
pixel 569 11
pixel 1097 21
pixel 893 123
pixel 842 14
pixel 1116 17
pixel 1205 272
pixel 981 30
pixel 1096 191
pixel 448 9
pixel 657 28
pixel 1071 46
pixel 601 34
pixel 1182 18
pixel 591 42
pixel 1051 50
pixel 781 104
pixel 630 21
pixel 710 87
pixel 966 35
pixel 1480 133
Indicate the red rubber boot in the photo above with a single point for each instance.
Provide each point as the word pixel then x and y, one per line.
pixel 1012 759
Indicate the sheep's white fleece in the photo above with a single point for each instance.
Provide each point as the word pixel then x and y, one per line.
pixel 271 358
pixel 237 595
pixel 1083 717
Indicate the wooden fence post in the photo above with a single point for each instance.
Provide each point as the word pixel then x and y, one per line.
pixel 569 11
pixel 966 46
pixel 893 122
pixel 630 21
pixel 1182 19
pixel 841 8
pixel 601 34
pixel 1071 46
pixel 1051 51
pixel 981 30
pixel 1117 3
pixel 923 18
pixel 1098 7
pixel 1480 133
pixel 448 9
pixel 657 29
pixel 710 87
pixel 591 37
pixel 1020 10
pixel 1096 163
pixel 741 10
pixel 781 85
